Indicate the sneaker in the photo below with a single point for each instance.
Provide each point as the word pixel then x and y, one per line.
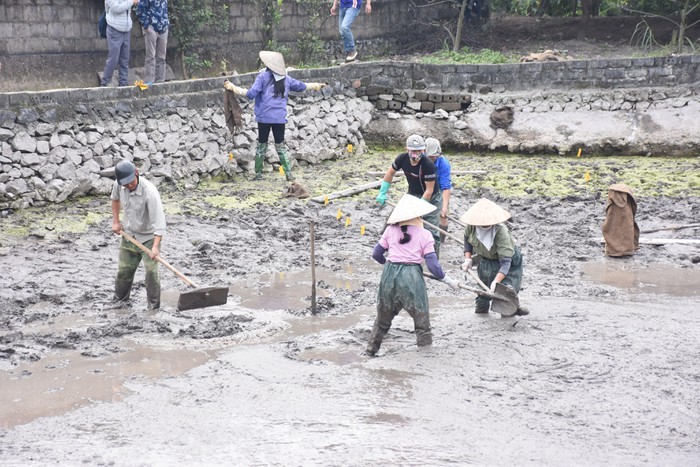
pixel 258 177
pixel 289 177
pixel 522 311
pixel 352 56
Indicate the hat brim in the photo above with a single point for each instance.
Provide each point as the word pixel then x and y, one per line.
pixel 484 213
pixel 274 61
pixel 410 207
pixel 126 180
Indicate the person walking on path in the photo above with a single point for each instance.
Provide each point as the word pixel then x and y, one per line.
pixel 500 259
pixel 145 221
pixel 270 92
pixel 444 179
pixel 349 9
pixel 421 176
pixel 153 16
pixel 118 16
pixel 402 285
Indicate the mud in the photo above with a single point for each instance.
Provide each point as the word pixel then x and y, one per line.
pixel 603 371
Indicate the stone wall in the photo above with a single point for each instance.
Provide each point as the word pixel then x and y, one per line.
pixel 57 144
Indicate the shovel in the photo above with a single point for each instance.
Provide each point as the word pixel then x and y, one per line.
pixel 198 298
pixel 507 303
pixel 505 300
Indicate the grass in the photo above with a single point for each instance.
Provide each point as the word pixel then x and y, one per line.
pixel 466 57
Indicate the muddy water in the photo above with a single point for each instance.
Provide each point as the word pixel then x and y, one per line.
pixel 603 371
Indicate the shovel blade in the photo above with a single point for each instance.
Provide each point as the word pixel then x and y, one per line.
pixel 202 298
pixel 505 301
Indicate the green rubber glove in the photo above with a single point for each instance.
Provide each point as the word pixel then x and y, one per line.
pixel 381 197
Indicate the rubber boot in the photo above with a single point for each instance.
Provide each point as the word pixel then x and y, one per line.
pixel 284 160
pixel 482 306
pixel 442 235
pixel 260 152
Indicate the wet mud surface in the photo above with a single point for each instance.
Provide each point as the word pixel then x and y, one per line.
pixel 603 371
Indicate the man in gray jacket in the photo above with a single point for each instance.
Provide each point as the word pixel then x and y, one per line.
pixel 118 39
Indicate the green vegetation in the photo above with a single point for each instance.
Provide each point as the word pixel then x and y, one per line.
pixel 190 18
pixel 508 176
pixel 466 56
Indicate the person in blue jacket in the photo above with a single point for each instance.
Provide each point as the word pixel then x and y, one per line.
pixel 444 179
pixel 270 92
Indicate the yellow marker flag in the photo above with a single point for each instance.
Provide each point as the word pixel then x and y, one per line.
pixel 281 170
pixel 349 147
pixel 141 85
pixel 230 156
pixel 587 177
pixel 339 215
pixel 347 221
pixel 326 200
pixel 362 230
pixel 579 153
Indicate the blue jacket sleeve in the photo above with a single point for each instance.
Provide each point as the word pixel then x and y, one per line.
pixel 445 174
pixel 295 85
pixel 257 86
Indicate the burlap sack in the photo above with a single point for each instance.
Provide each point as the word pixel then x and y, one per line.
pixel 620 230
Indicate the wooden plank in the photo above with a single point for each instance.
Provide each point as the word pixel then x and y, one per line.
pixel 347 192
pixel 672 227
pixel 453 172
pixel 660 241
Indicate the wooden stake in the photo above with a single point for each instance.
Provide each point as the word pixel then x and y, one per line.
pixel 313 271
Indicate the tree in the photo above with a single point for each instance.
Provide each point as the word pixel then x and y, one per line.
pixel 189 18
pixel 683 11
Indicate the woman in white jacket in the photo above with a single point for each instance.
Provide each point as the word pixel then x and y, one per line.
pixel 118 39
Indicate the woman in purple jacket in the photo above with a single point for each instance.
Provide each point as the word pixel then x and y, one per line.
pixel 270 92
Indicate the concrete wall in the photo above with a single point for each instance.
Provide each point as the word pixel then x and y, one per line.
pixel 51 44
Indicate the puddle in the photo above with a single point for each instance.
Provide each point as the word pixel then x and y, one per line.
pixel 289 290
pixel 67 380
pixel 59 384
pixel 653 279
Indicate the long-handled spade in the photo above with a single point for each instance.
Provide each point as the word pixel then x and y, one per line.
pixel 505 300
pixel 200 297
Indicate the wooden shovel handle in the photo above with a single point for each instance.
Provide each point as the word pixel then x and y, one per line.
pixel 471 289
pixel 158 258
pixel 476 278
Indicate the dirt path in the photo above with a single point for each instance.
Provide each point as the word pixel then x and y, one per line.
pixel 602 372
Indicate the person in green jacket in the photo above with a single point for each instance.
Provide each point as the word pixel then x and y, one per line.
pixel 500 259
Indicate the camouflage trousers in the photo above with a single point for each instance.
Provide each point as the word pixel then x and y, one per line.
pixel 129 258
pixel 402 287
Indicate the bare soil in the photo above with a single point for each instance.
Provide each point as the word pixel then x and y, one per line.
pixel 603 371
pixel 604 37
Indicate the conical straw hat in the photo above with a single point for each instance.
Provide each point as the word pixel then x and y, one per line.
pixel 409 207
pixel 274 61
pixel 484 213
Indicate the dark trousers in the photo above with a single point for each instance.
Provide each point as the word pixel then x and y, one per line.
pixel 129 258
